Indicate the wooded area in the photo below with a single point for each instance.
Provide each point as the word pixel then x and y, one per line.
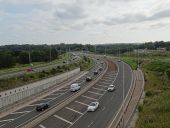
pixel 10 55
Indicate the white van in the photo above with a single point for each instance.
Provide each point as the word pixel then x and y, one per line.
pixel 74 87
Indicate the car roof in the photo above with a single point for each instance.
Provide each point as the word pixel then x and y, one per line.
pixel 94 102
pixel 74 84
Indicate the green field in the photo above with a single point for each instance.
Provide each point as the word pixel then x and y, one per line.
pixel 155 112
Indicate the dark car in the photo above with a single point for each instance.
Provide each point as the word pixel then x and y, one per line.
pixel 42 106
pixel 88 79
pixel 95 72
pixel 100 69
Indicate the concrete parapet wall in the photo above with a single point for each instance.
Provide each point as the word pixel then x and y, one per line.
pixel 13 95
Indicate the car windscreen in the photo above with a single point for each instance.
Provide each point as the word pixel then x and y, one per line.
pixel 92 104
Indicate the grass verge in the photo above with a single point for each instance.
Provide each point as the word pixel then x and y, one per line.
pixel 155 112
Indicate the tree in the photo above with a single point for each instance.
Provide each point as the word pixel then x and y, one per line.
pixel 6 60
pixel 23 58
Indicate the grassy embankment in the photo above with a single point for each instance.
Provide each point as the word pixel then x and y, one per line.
pixel 84 64
pixel 155 112
pixel 20 67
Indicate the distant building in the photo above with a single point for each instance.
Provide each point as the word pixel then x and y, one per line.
pixel 161 49
pixel 140 50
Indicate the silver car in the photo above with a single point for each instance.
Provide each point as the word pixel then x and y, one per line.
pixel 111 88
pixel 93 106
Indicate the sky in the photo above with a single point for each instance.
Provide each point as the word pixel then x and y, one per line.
pixel 83 21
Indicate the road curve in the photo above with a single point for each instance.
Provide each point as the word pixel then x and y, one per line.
pixel 19 117
pixel 75 114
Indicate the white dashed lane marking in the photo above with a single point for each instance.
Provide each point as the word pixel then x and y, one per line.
pixel 98 89
pixel 81 103
pixel 89 97
pixel 42 126
pixel 6 120
pixel 101 85
pixel 95 93
pixel 74 110
pixel 20 112
pixel 48 99
pixel 63 119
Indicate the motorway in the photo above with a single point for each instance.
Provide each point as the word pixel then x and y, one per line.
pixel 75 114
pixel 35 69
pixel 18 118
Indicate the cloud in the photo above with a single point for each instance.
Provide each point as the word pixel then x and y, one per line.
pixel 63 19
pixel 69 12
pixel 161 14
pixel 136 18
pixel 159 25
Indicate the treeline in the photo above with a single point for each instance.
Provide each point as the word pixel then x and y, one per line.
pixel 13 54
pixel 10 55
pixel 127 47
pixel 24 54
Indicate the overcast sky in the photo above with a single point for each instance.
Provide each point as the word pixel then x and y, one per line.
pixel 83 21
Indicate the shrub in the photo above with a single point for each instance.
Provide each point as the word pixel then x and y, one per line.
pixel 148 93
pixel 53 71
pixel 140 108
pixel 168 73
pixel 41 75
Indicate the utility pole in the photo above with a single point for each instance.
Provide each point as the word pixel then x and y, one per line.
pixel 67 60
pixel 138 57
pixel 50 53
pixel 29 55
pixel 119 53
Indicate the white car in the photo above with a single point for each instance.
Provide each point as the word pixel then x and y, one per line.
pixel 111 88
pixel 74 87
pixel 93 106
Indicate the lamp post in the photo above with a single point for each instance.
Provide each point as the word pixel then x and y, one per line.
pixel 29 55
pixel 50 53
pixel 67 60
pixel 123 93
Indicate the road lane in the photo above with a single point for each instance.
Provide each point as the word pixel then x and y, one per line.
pixel 54 99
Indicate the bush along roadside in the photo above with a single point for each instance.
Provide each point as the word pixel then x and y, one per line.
pixel 155 112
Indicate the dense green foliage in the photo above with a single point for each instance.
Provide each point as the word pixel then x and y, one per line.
pixel 41 53
pixel 155 111
pixel 9 58
pixel 159 66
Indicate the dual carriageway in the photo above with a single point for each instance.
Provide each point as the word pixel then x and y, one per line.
pixel 74 114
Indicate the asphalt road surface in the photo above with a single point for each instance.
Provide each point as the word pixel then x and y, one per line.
pixel 75 114
pixel 17 118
